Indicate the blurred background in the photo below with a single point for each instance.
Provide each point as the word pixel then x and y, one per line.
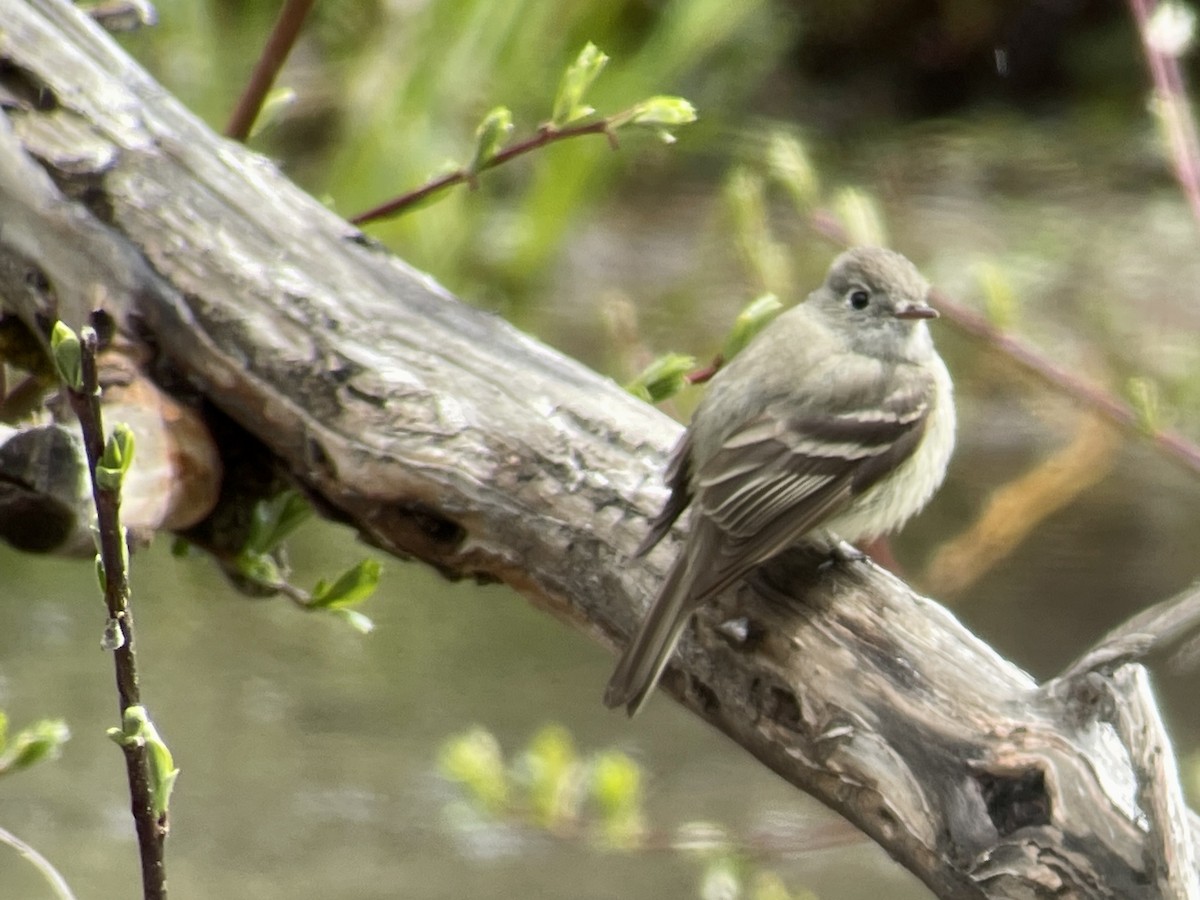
pixel 1008 148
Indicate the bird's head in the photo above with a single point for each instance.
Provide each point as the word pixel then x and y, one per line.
pixel 879 300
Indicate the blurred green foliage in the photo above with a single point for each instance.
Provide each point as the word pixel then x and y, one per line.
pixel 41 740
pixel 598 798
pixel 388 95
pixel 549 784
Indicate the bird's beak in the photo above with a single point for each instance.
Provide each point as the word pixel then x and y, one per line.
pixel 915 311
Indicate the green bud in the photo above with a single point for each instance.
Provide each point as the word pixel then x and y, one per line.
pixel 663 378
pixel 117 458
pixel 162 764
pixel 277 102
pixel 348 589
pixel 137 730
pixel 274 520
pixel 68 355
pixel 575 83
pixel 258 567
pixel 750 321
pixel 491 135
pixel 657 113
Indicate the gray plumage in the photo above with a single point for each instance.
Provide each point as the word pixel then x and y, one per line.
pixel 839 415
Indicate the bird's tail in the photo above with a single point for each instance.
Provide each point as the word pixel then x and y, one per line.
pixel 646 655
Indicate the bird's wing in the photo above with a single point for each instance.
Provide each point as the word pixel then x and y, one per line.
pixel 678 478
pixel 784 472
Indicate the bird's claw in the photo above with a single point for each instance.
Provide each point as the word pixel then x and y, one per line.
pixel 842 553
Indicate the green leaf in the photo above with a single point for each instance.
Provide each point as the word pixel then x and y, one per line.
pixel 356 620
pixel 663 109
pixel 68 355
pixel 576 81
pixel 138 730
pixel 491 135
pixel 750 321
pixel 117 458
pixel 663 378
pixel 258 567
pixel 39 741
pixel 276 104
pixel 350 588
pixel 660 113
pixel 274 519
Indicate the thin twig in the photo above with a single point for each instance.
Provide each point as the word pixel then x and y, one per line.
pixel 58 884
pixel 546 134
pixel 1150 630
pixel 151 831
pixel 274 53
pixel 1092 396
pixel 705 373
pixel 1176 112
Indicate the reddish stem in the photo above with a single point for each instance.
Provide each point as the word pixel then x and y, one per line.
pixel 547 134
pixel 1090 395
pixel 274 53
pixel 1176 111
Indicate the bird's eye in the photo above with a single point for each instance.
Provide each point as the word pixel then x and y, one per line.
pixel 859 298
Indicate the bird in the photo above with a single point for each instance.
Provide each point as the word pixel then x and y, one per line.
pixel 835 422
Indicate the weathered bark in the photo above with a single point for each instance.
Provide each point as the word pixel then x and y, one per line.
pixel 444 434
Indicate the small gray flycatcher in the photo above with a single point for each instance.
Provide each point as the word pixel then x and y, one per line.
pixel 838 416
